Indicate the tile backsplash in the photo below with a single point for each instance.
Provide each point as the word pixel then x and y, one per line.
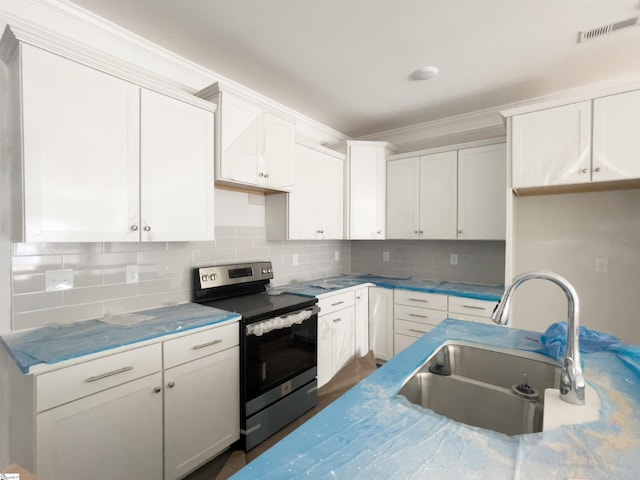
pixel 99 272
pixel 477 261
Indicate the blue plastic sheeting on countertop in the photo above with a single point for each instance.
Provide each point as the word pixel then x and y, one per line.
pixel 313 288
pixel 371 433
pixel 62 342
pixel 554 340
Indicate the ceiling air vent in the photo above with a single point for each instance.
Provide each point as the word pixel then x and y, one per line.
pixel 607 29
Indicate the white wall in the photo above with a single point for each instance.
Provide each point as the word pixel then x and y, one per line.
pixel 566 234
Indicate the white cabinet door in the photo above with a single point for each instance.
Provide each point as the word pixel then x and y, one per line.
pixel 403 197
pixel 315 205
pixel 616 137
pixel 177 170
pixel 276 163
pixel 80 149
pixel 238 140
pixel 113 434
pixel 482 193
pixel 367 192
pixel 381 322
pixel 552 147
pixel 438 195
pixel 256 147
pixel 362 321
pixel 336 343
pixel 303 203
pixel 201 411
pixel 331 194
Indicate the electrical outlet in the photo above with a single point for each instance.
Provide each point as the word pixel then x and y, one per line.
pixel 385 256
pixel 602 265
pixel 337 255
pixel 295 259
pixel 132 273
pixel 58 280
pixel 453 259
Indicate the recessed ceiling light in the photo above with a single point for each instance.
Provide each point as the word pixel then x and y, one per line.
pixel 425 73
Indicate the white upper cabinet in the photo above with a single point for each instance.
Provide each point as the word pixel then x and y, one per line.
pixel 104 160
pixel 482 187
pixel 438 195
pixel 403 198
pixel 254 146
pixel 552 146
pixel 176 164
pixel 313 210
pixel 616 137
pixel 564 146
pixel 80 158
pixel 457 194
pixel 365 205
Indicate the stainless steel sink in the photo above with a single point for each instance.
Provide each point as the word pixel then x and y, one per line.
pixel 496 389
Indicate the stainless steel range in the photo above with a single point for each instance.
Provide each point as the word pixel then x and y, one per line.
pixel 278 345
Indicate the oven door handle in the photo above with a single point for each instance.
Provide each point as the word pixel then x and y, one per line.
pixel 278 323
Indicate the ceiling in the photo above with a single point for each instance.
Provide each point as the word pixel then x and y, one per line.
pixel 347 63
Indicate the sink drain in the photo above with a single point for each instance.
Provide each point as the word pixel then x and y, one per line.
pixel 526 391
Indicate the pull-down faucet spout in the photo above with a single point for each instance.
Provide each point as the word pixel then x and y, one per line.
pixel 572 378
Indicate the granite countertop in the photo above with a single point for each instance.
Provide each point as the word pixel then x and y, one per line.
pixel 316 288
pixel 370 433
pixel 50 345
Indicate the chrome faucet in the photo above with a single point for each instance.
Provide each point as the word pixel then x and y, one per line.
pixel 572 379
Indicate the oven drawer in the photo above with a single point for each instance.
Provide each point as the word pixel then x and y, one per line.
pixel 201 344
pixel 336 302
pixel 70 383
pixel 420 299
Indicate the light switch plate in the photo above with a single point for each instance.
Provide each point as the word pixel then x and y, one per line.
pixel 58 280
pixel 132 273
pixel 385 256
pixel 337 255
pixel 453 259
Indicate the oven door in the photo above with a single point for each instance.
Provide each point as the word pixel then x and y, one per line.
pixel 279 360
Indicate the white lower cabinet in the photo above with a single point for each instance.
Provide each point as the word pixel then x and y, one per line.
pixel 381 322
pixel 362 321
pixel 415 313
pixel 336 334
pixel 201 411
pixel 110 435
pixel 471 309
pixel 119 415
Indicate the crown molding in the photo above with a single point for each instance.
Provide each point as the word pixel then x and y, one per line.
pixel 71 31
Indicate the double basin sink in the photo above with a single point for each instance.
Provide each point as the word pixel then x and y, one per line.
pixel 496 389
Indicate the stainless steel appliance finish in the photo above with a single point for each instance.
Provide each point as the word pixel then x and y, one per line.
pixel 278 345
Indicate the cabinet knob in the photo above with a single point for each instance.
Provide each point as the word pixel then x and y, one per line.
pixel 421 232
pixel 320 231
pixel 379 232
pixel 134 228
pixel 597 169
pixel 336 320
pixel 157 390
pixel 261 174
pixel 416 231
pixel 147 228
pixel 459 232
pixel 171 384
pixel 584 170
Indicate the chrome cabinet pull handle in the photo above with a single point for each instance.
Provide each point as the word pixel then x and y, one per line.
pixel 109 374
pixel 416 331
pixel 416 315
pixel 473 307
pixel 208 344
pixel 337 303
pixel 419 300
pixel 336 320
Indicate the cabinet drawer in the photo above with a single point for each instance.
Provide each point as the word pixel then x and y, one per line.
pixel 471 306
pixel 67 384
pixel 336 302
pixel 201 344
pixel 420 315
pixel 420 299
pixel 413 329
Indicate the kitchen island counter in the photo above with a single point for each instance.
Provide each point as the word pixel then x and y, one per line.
pixel 370 433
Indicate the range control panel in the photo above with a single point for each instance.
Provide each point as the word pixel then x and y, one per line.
pixel 222 275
